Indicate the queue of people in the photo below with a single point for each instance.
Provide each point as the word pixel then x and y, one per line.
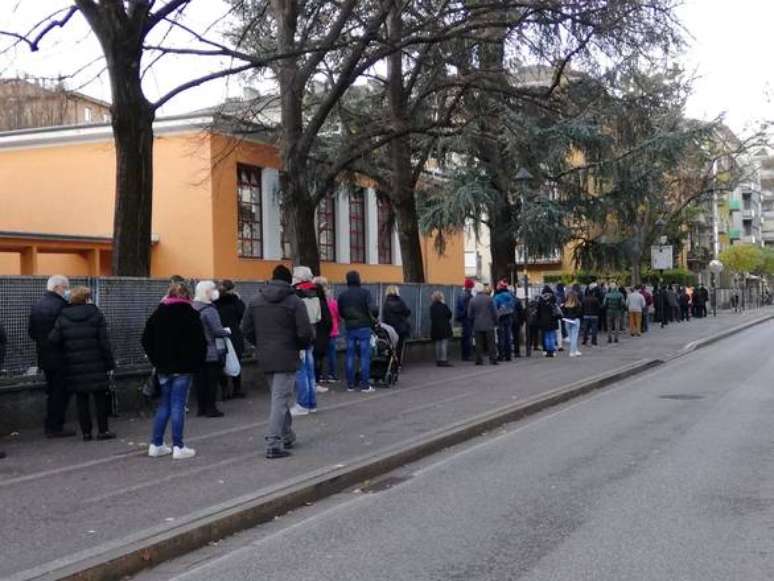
pixel 294 323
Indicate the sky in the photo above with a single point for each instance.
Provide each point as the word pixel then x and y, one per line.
pixel 728 52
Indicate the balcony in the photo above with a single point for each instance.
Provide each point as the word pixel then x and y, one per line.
pixel 734 233
pixel 748 214
pixel 734 205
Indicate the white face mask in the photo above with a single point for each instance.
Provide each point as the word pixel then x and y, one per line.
pixel 214 295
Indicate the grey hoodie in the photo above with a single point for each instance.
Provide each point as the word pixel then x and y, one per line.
pixel 277 323
pixel 213 329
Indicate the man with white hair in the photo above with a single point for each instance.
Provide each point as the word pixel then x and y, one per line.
pixel 43 315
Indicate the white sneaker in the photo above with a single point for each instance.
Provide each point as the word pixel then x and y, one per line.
pixel 369 389
pixel 578 354
pixel 183 453
pixel 298 410
pixel 159 451
pixel 572 354
pixel 321 389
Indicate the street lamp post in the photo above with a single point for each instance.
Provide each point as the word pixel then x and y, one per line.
pixel 523 178
pixel 716 267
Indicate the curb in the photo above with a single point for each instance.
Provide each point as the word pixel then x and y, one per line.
pixel 246 512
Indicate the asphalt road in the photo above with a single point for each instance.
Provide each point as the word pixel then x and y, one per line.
pixel 669 476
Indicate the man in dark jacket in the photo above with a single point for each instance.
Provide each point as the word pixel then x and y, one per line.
pixel 483 314
pixel 461 316
pixel 277 323
pixel 50 358
pixel 358 311
pixel 591 311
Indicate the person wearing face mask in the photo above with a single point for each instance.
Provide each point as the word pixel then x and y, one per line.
pixel 206 381
pixel 43 315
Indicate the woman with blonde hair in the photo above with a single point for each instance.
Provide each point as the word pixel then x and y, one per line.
pixel 395 313
pixel 81 333
pixel 572 313
pixel 440 328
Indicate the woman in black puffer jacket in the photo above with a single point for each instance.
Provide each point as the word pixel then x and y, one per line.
pixel 81 332
pixel 396 313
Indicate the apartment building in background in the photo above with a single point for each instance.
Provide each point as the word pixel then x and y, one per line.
pixel 28 103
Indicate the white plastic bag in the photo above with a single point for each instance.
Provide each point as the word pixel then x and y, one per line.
pixel 232 368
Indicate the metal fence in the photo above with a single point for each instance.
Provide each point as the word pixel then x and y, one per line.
pixel 128 302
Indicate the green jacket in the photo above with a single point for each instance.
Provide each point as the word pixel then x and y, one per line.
pixel 614 301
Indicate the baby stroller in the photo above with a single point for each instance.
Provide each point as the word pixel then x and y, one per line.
pixel 384 359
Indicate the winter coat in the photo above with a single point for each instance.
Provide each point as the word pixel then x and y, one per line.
pixel 505 303
pixel 482 312
pixel 440 321
pixel 43 315
pixel 277 323
pixel 590 305
pixel 173 338
pixel 333 308
pixel 635 302
pixel 461 308
pixel 685 299
pixel 614 302
pixel 231 310
pixel 671 298
pixel 547 312
pixel 395 313
pixel 213 330
pixel 356 305
pixel 574 313
pixel 322 330
pixel 81 333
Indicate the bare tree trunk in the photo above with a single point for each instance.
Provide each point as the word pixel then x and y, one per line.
pixel 502 247
pixel 403 186
pixel 636 266
pixel 299 219
pixel 133 117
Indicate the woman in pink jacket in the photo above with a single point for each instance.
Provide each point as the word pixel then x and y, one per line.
pixel 333 307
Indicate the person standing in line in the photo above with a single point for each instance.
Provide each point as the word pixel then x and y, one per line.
pixel 277 323
pixel 81 333
pixel 208 378
pixel 591 310
pixel 646 313
pixel 685 305
pixel 548 316
pixel 395 313
pixel 572 313
pixel 306 382
pixel 483 313
pixel 505 304
pixel 174 341
pixel 614 308
pixel 461 316
pixel 673 311
pixel 636 305
pixel 518 322
pixel 358 311
pixel 322 335
pixel 532 328
pixel 602 290
pixel 330 353
pixel 231 309
pixel 43 315
pixel 440 328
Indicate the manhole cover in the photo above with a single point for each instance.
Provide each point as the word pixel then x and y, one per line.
pixel 682 396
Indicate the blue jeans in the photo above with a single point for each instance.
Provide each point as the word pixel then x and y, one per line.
pixel 549 341
pixel 573 329
pixel 359 338
pixel 332 361
pixel 305 381
pixel 174 394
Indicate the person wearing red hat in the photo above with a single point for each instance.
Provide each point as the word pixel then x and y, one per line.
pixel 461 316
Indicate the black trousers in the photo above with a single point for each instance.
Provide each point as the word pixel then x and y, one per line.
pixel 236 383
pixel 102 407
pixel 485 342
pixel 57 398
pixel 206 384
pixel 516 334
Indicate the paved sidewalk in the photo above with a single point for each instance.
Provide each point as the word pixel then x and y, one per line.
pixel 70 498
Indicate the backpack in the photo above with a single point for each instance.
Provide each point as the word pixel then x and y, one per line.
pixel 313 309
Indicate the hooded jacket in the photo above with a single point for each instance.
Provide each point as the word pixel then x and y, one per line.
pixel 547 312
pixel 231 310
pixel 482 312
pixel 356 305
pixel 81 332
pixel 42 318
pixel 277 323
pixel 395 313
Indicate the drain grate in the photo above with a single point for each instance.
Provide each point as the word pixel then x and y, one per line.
pixel 681 396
